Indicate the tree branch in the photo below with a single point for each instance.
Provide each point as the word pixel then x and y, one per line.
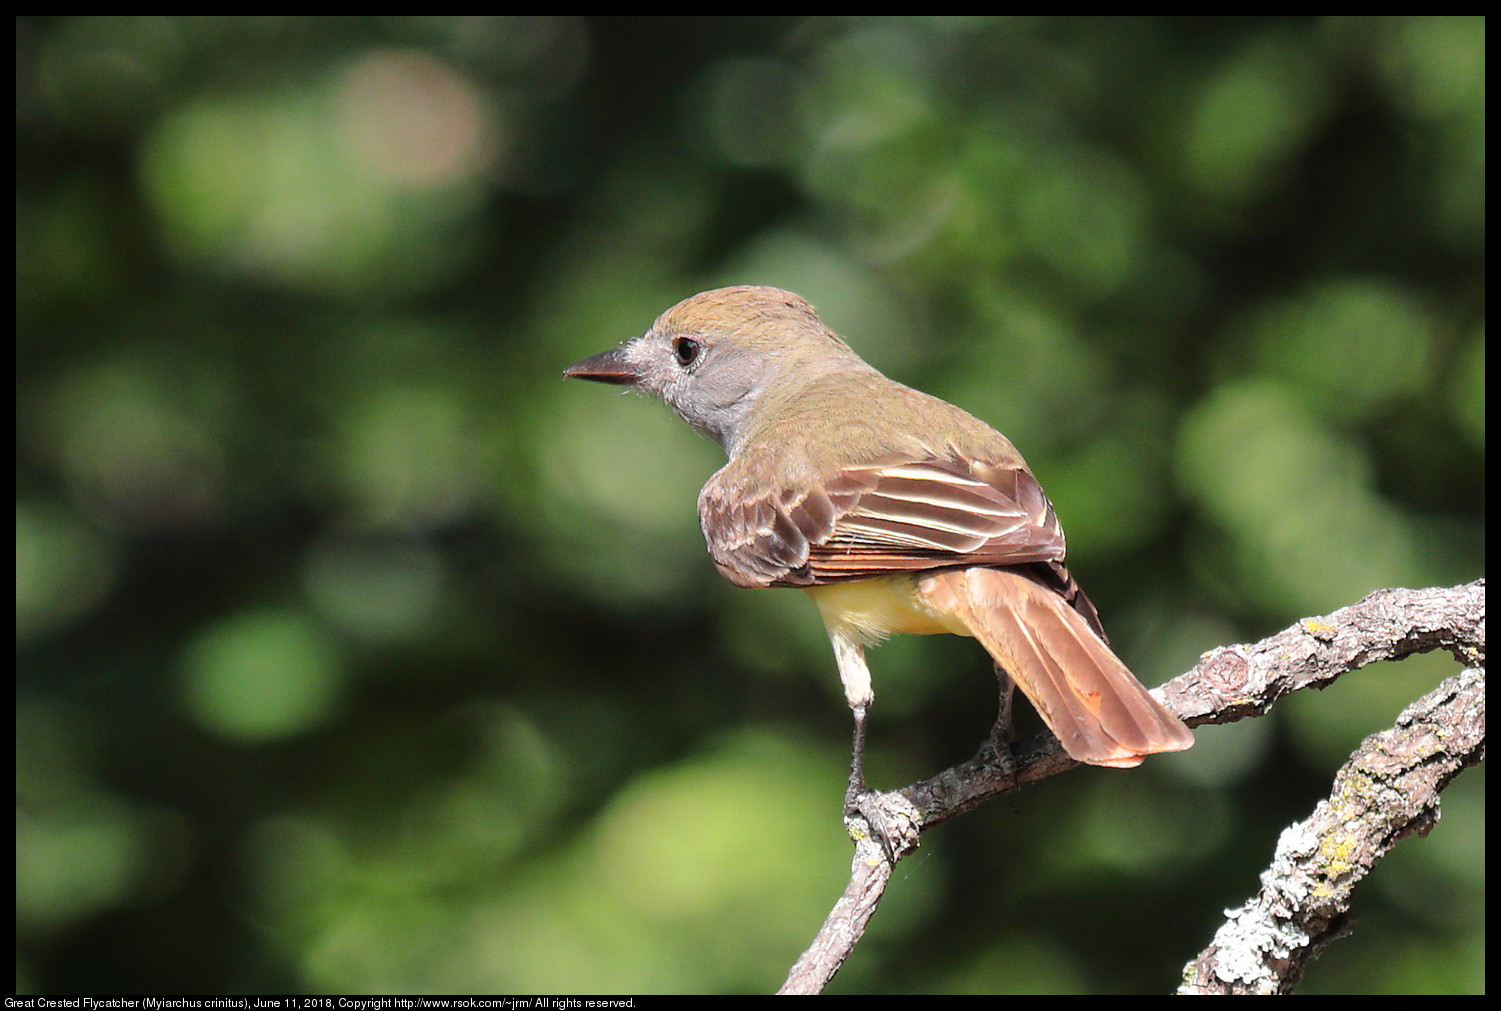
pixel 1387 791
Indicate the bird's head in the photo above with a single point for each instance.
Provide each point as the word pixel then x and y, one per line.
pixel 715 357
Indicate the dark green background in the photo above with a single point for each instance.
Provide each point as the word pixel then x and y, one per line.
pixel 357 652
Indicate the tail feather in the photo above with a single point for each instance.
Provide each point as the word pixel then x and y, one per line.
pixel 1099 711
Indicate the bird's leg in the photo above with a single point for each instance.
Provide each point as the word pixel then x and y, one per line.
pixel 890 817
pixel 855 675
pixel 857 762
pixel 1000 734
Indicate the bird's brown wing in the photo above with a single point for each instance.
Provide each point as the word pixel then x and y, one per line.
pixel 879 518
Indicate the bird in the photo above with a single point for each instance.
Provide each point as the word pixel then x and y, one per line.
pixel 897 512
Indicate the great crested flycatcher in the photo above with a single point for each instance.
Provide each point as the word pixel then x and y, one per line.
pixel 894 510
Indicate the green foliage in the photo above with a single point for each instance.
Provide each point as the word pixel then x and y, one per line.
pixel 359 653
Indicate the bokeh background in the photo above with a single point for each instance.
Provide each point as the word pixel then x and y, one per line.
pixel 357 652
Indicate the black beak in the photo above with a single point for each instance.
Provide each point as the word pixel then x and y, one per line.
pixel 606 367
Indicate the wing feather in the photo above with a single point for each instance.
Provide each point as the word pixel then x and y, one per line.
pixel 878 518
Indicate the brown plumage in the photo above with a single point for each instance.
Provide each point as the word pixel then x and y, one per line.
pixel 897 511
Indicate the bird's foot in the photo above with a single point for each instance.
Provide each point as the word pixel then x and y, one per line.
pixel 889 818
pixel 996 751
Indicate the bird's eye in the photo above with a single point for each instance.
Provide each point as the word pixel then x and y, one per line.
pixel 686 350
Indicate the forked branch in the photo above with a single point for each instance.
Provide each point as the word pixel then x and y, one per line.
pixel 1388 790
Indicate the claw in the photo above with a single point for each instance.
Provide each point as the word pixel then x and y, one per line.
pixel 891 819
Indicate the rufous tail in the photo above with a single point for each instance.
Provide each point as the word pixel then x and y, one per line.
pixel 1095 706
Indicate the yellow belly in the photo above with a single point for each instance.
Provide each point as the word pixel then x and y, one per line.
pixel 870 609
